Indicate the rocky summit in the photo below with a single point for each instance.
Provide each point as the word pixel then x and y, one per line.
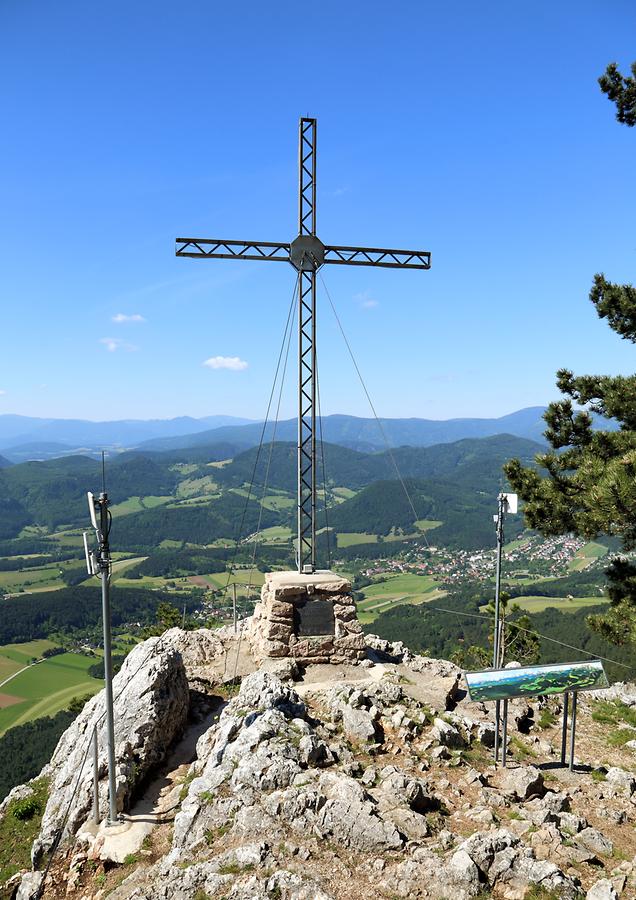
pixel 371 778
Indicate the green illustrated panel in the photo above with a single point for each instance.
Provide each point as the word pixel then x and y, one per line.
pixel 533 681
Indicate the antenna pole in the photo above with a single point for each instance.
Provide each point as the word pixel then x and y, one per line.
pixel 104 568
pixel 501 500
pixel 496 662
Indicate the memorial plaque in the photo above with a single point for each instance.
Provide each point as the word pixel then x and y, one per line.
pixel 314 618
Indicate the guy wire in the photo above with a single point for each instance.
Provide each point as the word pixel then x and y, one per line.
pixel 262 436
pixel 375 415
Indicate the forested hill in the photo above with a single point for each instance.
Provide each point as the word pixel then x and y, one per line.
pixel 198 497
pixel 472 462
pixel 465 513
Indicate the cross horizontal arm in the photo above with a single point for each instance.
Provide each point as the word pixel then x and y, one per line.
pixel 376 256
pixel 217 249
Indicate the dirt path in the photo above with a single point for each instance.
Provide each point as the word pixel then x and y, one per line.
pixel 160 800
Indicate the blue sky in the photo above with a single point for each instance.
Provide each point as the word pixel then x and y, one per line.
pixel 475 131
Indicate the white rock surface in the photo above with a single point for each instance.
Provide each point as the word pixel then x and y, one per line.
pixel 150 711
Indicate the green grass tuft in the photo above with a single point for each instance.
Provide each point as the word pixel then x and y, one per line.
pixel 17 833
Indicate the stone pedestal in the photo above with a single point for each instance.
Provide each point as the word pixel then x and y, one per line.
pixel 311 618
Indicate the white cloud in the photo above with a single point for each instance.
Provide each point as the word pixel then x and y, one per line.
pixel 365 300
pixel 235 363
pixel 122 318
pixel 2 393
pixel 113 344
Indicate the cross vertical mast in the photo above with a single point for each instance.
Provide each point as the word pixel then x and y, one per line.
pixel 306 498
pixel 307 254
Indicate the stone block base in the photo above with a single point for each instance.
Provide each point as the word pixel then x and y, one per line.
pixel 275 629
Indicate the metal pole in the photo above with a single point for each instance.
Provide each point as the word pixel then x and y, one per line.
pixel 504 740
pixel 497 708
pixel 234 604
pixel 313 410
pixel 573 730
pixel 496 662
pixel 108 662
pixel 95 778
pixel 564 730
pixel 496 634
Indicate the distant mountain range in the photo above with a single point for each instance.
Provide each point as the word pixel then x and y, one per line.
pixel 366 435
pixel 23 437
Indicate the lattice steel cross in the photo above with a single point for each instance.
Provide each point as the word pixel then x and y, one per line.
pixel 307 254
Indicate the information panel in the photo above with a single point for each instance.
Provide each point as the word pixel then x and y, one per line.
pixel 533 681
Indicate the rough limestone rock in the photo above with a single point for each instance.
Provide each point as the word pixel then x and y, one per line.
pixel 332 788
pixel 621 692
pixel 446 675
pixel 522 783
pixel 593 840
pixel 603 889
pixel 486 860
pixel 549 808
pixel 462 875
pixel 29 886
pixel 447 735
pixel 253 776
pixel 620 781
pixel 503 860
pixel 357 712
pixel 198 649
pixel 383 650
pixel 150 711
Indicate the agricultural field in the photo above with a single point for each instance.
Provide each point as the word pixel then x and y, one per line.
pixel 397 590
pixel 277 534
pixel 353 538
pixel 586 556
pixel 70 538
pixel 44 688
pixel 343 493
pixel 137 504
pixel 277 502
pixel 427 524
pixel 563 604
pixel 196 487
pixel 239 577
pixel 41 578
pixel 14 657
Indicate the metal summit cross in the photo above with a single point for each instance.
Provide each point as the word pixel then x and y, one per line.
pixel 307 254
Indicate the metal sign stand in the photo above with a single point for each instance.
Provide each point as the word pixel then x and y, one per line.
pixel 564 730
pixel 504 739
pixel 573 730
pixel 505 503
pixel 307 254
